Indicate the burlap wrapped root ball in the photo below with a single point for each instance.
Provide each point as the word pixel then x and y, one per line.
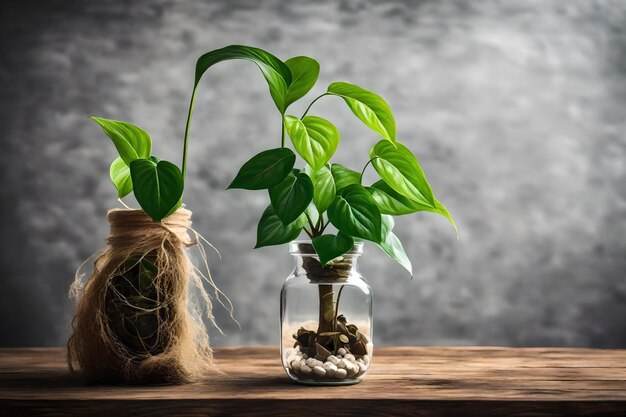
pixel 135 321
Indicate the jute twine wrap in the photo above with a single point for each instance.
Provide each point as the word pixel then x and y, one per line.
pixel 181 351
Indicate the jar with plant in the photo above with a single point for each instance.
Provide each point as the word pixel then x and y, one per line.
pixel 136 318
pixel 326 303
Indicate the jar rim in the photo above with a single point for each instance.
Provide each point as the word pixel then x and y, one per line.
pixel 305 247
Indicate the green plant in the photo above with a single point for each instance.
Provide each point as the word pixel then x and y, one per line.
pixel 157 184
pixel 322 193
pixel 308 199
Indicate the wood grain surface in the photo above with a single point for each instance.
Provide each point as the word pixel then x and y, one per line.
pixel 426 381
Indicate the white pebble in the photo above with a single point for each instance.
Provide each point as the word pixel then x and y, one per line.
pixel 329 365
pixel 341 352
pixel 332 359
pixel 290 351
pixel 366 359
pixel 362 369
pixel 312 363
pixel 295 365
pixel 369 347
pixel 345 364
pixel 319 371
pixel 330 368
pixel 305 370
pixel 340 373
pixel 350 357
pixel 353 371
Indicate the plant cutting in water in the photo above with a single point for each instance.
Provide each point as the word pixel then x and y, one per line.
pixel 321 193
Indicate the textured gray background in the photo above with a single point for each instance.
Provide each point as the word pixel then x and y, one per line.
pixel 516 110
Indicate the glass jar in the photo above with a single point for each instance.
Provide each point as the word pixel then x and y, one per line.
pixel 326 319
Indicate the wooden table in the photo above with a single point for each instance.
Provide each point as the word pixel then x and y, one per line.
pixel 427 381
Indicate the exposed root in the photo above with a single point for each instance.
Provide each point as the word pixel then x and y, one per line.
pixel 139 316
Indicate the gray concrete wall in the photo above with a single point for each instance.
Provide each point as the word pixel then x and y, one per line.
pixel 516 110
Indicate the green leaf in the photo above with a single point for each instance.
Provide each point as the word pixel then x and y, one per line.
pixel 265 169
pixel 120 176
pixel 158 187
pixel 291 196
pixel 400 169
pixel 131 142
pixel 390 202
pixel 314 138
pixel 323 187
pixel 370 108
pixel 354 212
pixel 444 212
pixel 344 176
pixel 392 246
pixel 276 73
pixel 272 231
pixel 304 73
pixel 328 247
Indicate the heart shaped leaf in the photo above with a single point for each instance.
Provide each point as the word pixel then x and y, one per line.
pixel 323 187
pixel 131 142
pixel 328 247
pixel 272 231
pixel 265 169
pixel 344 176
pixel 158 187
pixel 392 246
pixel 399 168
pixel 291 196
pixel 370 108
pixel 120 176
pixel 276 73
pixel 304 73
pixel 355 213
pixel 314 138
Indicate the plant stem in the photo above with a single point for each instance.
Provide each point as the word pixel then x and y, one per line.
pixel 327 308
pixel 324 227
pixel 320 221
pixel 189 113
pixel 308 108
pixel 282 133
pixel 313 228
pixel 364 168
pixel 337 308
